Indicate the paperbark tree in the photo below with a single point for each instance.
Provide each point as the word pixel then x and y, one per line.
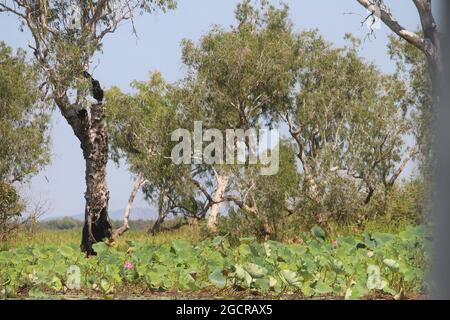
pixel 349 122
pixel 140 127
pixel 66 34
pixel 222 183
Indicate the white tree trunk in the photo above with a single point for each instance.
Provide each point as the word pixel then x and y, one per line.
pixel 136 187
pixel 222 183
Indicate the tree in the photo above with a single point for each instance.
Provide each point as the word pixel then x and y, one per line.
pixel 24 122
pixel 349 122
pixel 412 68
pixel 265 204
pixel 236 78
pixel 140 127
pixel 66 34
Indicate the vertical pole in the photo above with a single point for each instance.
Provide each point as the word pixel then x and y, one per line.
pixel 440 276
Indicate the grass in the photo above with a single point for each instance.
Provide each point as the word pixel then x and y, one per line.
pixel 192 233
pixel 24 238
pixel 379 225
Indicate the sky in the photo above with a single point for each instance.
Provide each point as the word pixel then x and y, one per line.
pixel 126 58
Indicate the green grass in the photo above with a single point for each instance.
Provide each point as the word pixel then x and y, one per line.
pixel 379 225
pixel 73 236
pixel 191 233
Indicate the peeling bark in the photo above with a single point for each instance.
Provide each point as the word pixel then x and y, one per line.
pixel 97 226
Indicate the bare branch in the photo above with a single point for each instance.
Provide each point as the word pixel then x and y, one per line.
pixel 394 25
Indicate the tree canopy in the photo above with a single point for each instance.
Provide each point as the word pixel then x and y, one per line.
pixel 346 122
pixel 24 119
pixel 24 133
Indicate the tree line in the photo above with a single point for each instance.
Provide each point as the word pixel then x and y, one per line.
pixel 346 121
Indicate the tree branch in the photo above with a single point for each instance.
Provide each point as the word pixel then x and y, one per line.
pixel 139 182
pixel 389 20
pixel 411 154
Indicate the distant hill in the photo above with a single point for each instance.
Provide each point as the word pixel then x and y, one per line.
pixel 136 214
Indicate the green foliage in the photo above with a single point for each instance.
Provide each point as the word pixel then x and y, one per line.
pixel 236 77
pixel 318 232
pixel 24 140
pixel 140 124
pixel 349 122
pixel 271 195
pixel 412 68
pixel 353 267
pixel 404 204
pixel 10 210
pixel 241 78
pixel 69 33
pixel 65 223
pixel 24 143
pixel 170 230
pixel 140 127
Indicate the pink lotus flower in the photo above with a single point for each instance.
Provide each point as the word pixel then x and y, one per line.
pixel 128 265
pixel 334 243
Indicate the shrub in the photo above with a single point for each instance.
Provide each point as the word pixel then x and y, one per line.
pixel 11 207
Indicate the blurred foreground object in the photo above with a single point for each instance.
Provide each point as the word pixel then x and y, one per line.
pixel 441 265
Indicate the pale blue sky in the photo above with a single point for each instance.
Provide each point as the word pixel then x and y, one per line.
pixel 126 58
